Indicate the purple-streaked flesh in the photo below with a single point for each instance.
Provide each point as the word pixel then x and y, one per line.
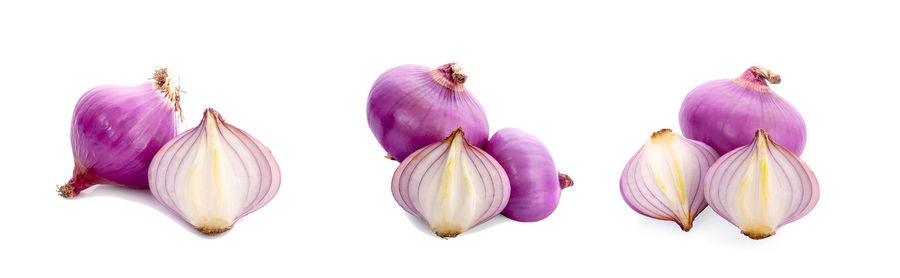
pixel 451 186
pixel 116 130
pixel 535 183
pixel 726 113
pixel 664 179
pixel 214 174
pixel 761 187
pixel 411 106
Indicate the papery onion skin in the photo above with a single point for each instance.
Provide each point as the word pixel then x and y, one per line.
pixel 671 190
pixel 178 168
pixel 535 183
pixel 439 184
pixel 116 130
pixel 411 106
pixel 761 187
pixel 726 113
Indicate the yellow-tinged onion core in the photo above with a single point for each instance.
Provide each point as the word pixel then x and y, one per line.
pixel 451 185
pixel 761 187
pixel 663 180
pixel 214 174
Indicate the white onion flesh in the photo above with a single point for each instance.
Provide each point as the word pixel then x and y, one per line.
pixel 451 185
pixel 214 174
pixel 761 187
pixel 664 179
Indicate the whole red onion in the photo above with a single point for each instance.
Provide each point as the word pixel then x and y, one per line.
pixel 412 106
pixel 726 113
pixel 116 131
pixel 533 178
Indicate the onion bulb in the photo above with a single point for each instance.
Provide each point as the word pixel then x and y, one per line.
pixel 411 106
pixel 534 181
pixel 664 179
pixel 726 113
pixel 761 187
pixel 451 185
pixel 214 174
pixel 116 130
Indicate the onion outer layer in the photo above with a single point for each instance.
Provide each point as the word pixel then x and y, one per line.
pixel 726 113
pixel 214 174
pixel 534 181
pixel 761 187
pixel 663 180
pixel 451 185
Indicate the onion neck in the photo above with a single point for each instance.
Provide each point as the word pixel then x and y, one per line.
pixel 81 179
pixel 171 89
pixel 565 181
pixel 450 76
pixel 757 77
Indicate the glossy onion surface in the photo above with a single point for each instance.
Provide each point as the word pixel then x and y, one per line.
pixel 534 180
pixel 725 114
pixel 116 130
pixel 411 106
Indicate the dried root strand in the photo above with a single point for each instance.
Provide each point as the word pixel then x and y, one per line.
pixel 66 191
pixel 172 91
pixel 767 74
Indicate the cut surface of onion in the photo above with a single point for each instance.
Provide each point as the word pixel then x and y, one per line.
pixel 214 174
pixel 760 187
pixel 451 185
pixel 664 179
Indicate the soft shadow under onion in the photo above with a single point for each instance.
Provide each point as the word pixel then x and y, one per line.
pixel 140 196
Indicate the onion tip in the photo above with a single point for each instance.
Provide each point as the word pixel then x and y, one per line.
pixel 211 231
pixel 565 181
pixel 447 230
pixel 389 157
pixel 164 83
pixel 686 227
pixel 457 74
pixel 757 235
pixel 66 191
pixel 767 74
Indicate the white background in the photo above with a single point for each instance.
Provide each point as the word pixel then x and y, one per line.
pixel 591 80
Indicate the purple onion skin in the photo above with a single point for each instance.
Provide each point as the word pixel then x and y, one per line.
pixel 534 181
pixel 116 131
pixel 412 106
pixel 726 113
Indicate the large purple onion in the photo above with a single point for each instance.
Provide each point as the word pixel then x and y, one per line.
pixel 726 113
pixel 534 181
pixel 411 106
pixel 116 131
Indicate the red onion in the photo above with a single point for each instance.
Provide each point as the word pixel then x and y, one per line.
pixel 535 183
pixel 214 174
pixel 663 180
pixel 451 185
pixel 761 187
pixel 411 106
pixel 726 113
pixel 116 130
